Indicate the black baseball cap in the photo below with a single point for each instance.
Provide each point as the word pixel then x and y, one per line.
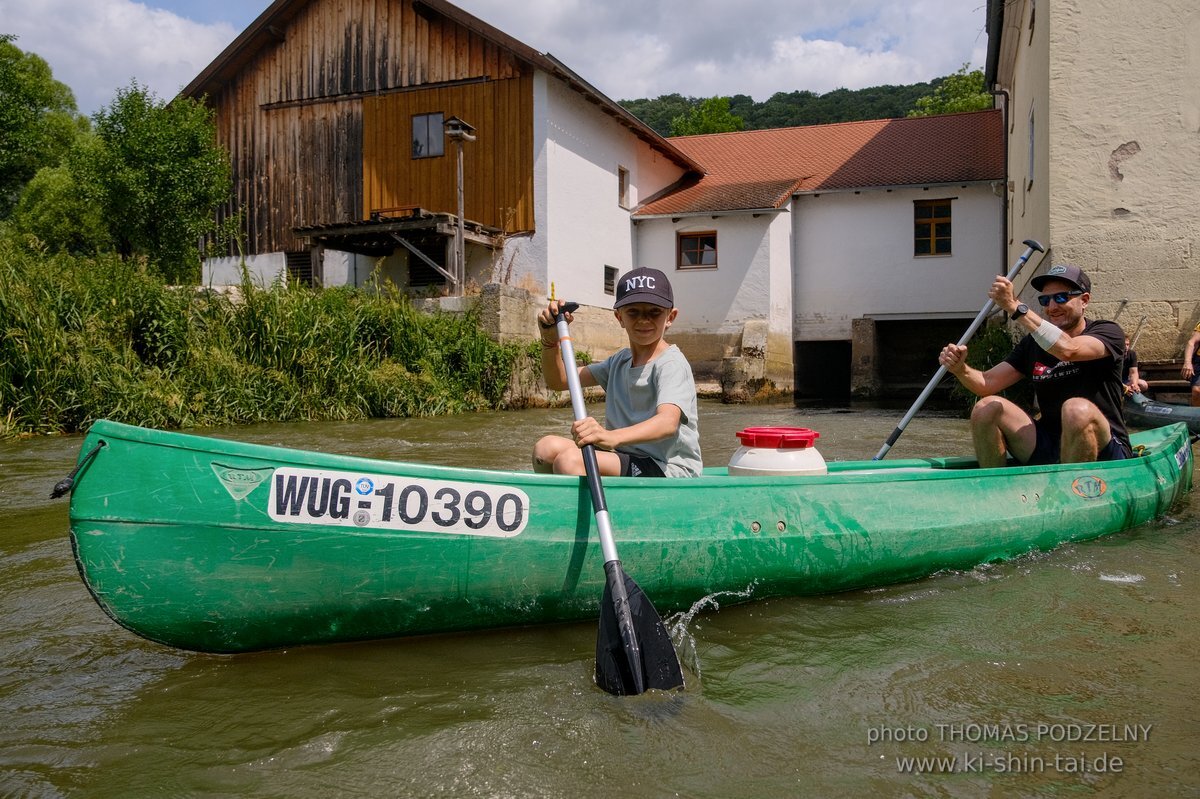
pixel 644 285
pixel 1068 273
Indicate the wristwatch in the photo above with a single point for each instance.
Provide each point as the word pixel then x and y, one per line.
pixel 1022 309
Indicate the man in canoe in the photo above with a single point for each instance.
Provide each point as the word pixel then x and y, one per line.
pixel 1130 375
pixel 1075 366
pixel 650 394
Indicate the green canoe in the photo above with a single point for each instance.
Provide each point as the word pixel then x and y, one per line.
pixel 221 546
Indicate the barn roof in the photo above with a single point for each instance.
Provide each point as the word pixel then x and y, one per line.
pixel 268 29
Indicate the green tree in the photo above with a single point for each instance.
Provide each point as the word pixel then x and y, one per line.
pixel 38 120
pixel 159 174
pixel 659 112
pixel 711 116
pixel 791 109
pixel 58 212
pixel 962 91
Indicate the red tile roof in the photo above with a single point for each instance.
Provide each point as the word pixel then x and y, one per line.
pixel 763 168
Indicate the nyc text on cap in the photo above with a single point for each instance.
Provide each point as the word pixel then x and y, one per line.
pixel 644 285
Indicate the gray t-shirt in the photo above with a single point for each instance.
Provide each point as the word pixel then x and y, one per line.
pixel 633 394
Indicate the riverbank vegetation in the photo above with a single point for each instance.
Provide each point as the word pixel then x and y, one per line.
pixel 106 337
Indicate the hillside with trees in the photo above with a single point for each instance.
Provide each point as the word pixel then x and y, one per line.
pixel 675 115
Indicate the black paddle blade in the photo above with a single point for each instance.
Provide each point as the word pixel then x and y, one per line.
pixel 636 655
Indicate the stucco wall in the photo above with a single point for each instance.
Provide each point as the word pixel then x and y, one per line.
pixel 1125 160
pixel 263 270
pixel 1023 73
pixel 1116 179
pixel 752 281
pixel 578 150
pixel 854 258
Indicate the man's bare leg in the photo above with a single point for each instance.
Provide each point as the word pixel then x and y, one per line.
pixel 1085 431
pixel 1000 427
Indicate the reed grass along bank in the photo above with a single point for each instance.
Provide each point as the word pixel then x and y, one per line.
pixel 89 338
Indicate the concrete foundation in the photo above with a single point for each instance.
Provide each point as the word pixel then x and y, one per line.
pixel 865 380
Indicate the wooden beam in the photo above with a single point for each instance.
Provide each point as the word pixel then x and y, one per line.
pixel 428 261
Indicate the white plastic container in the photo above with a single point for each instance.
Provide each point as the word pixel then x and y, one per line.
pixel 775 451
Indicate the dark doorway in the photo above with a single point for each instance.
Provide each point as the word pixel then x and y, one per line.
pixel 822 370
pixel 908 350
pixel 420 274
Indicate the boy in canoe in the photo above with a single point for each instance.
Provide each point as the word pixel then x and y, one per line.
pixel 650 394
pixel 1075 366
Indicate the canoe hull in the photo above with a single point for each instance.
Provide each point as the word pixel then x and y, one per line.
pixel 1143 412
pixel 221 546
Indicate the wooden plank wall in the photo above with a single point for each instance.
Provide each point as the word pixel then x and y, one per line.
pixel 292 118
pixel 497 166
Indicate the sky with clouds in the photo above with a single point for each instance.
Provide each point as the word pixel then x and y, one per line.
pixel 626 48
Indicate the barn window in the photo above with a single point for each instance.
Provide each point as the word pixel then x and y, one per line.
pixel 697 250
pixel 427 135
pixel 931 227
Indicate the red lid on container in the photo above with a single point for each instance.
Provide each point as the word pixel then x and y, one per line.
pixel 778 437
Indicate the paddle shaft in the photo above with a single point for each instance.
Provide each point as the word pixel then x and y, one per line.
pixel 607 545
pixel 1031 245
pixel 1137 333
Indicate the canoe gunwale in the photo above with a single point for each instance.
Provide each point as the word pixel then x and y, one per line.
pixel 888 470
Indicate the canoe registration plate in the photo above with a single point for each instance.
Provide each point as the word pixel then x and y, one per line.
pixel 312 496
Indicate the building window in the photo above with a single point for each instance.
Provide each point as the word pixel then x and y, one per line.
pixel 931 227
pixel 697 250
pixel 610 280
pixel 623 186
pixel 428 138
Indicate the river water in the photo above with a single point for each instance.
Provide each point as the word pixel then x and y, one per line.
pixel 1068 673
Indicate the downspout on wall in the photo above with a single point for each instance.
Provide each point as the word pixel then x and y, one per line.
pixel 1004 186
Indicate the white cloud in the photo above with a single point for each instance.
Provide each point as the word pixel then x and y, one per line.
pixel 99 46
pixel 626 48
pixel 641 48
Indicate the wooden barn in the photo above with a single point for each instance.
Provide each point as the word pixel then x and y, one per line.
pixel 335 112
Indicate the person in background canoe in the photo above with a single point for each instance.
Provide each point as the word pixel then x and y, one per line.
pixel 1075 366
pixel 650 394
pixel 1191 366
pixel 1130 375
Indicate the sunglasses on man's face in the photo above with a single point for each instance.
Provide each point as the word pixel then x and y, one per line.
pixel 1060 297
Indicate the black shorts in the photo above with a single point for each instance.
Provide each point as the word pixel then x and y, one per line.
pixel 1047 449
pixel 637 466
